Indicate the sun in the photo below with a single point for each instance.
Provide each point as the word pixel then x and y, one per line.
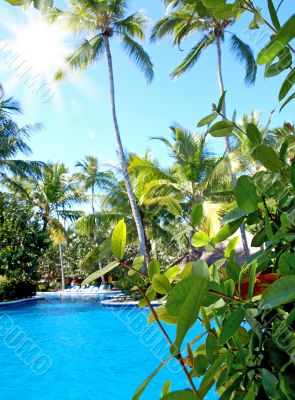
pixel 41 45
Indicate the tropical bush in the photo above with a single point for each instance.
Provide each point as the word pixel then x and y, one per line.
pixel 16 288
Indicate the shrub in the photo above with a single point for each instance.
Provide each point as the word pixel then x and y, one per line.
pixel 15 288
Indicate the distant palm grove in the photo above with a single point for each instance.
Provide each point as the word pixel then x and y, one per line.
pixel 211 236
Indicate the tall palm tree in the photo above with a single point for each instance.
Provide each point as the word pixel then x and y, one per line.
pixel 54 194
pixel 102 21
pixel 189 181
pixel 185 18
pixel 13 140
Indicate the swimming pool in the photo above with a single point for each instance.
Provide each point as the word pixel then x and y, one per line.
pixel 67 348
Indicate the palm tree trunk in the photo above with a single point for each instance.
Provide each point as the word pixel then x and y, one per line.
pixel 62 269
pixel 227 141
pixel 132 200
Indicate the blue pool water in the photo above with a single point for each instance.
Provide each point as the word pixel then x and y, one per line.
pixel 76 349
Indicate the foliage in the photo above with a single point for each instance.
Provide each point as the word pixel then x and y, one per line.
pixel 16 288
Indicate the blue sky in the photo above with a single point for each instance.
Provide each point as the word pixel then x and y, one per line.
pixel 77 120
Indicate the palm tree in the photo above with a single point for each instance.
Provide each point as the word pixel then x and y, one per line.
pixel 103 20
pixel 13 140
pixel 54 194
pixel 185 18
pixel 189 181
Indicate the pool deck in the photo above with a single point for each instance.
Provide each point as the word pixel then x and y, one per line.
pixel 12 302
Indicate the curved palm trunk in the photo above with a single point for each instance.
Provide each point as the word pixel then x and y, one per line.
pixel 62 267
pixel 132 200
pixel 227 141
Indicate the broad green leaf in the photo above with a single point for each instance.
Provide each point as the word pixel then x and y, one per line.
pixel 15 2
pixel 178 295
pixel 253 134
pixel 221 128
pixel 246 194
pixel 267 157
pixel 163 315
pixel 233 271
pixel 231 324
pixel 251 394
pixel 287 84
pixel 161 284
pixel 268 228
pixel 172 272
pixel 232 244
pixel 284 62
pixel 200 268
pixel 227 230
pixel 273 15
pixel 153 268
pixel 208 119
pixel 180 395
pixel 197 214
pixel 119 240
pixel 137 265
pixel 291 97
pixel 233 215
pixel 200 364
pixel 190 308
pixel 278 293
pixel 278 42
pixel 144 385
pixel 287 264
pixel 270 383
pixel 211 347
pixel 259 238
pixel 292 173
pixel 213 3
pixel 200 239
pixel 186 272
pixel 100 273
pixel 166 388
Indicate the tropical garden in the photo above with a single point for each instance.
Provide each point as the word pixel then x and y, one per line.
pixel 211 236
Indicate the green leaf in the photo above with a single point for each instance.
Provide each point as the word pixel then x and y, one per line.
pixel 208 379
pixel 186 272
pixel 227 230
pixel 231 324
pixel 166 388
pixel 144 385
pixel 251 394
pixel 287 264
pixel 233 271
pixel 150 294
pixel 278 293
pixel 291 97
pixel 267 157
pixel 221 101
pixel 253 134
pixel 246 194
pixel 207 120
pixel 100 273
pixel 200 239
pixel 200 268
pixel 172 272
pixel 232 244
pixel 153 268
pixel 200 364
pixel 278 42
pixel 197 214
pixel 259 238
pixel 213 3
pixel 270 383
pixel 292 172
pixel 276 67
pixel 161 284
pixel 211 347
pixel 190 309
pixel 222 128
pixel 137 265
pixel 268 228
pixel 287 84
pixel 273 15
pixel 119 240
pixel 163 315
pixel 180 395
pixel 233 215
pixel 178 295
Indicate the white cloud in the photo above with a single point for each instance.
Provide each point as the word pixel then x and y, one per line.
pixel 91 134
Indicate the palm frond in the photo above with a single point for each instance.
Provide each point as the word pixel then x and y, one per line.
pixel 132 26
pixel 244 54
pixel 139 56
pixel 193 56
